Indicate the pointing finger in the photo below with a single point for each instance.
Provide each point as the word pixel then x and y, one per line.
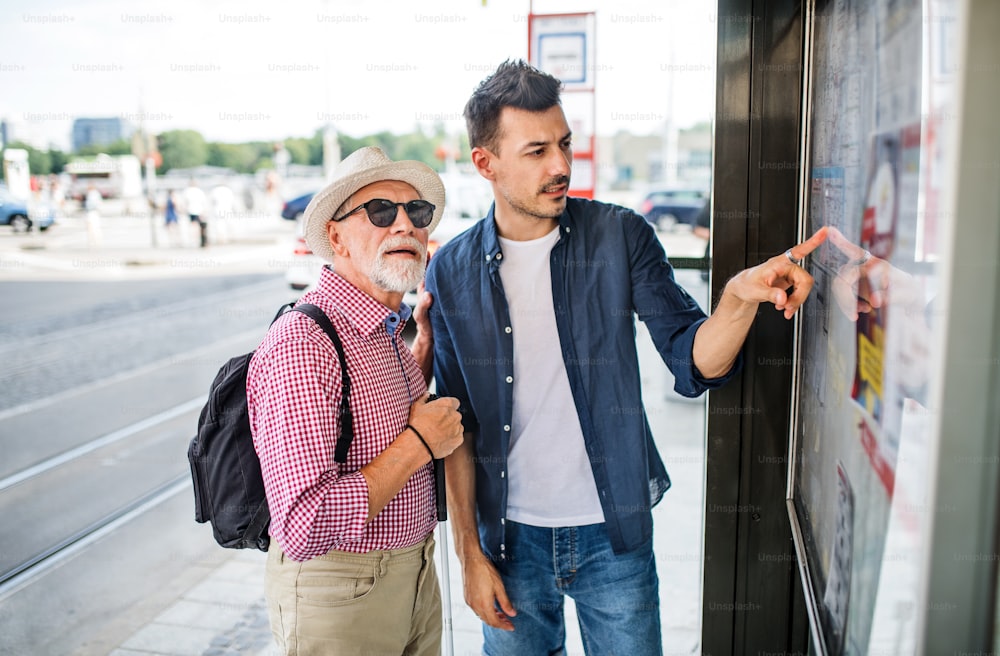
pixel 799 251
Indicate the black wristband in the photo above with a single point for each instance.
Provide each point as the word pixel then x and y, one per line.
pixel 421 438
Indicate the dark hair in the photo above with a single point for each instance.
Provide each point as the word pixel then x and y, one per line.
pixel 514 84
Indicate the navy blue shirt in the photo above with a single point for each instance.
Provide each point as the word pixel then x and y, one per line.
pixel 608 268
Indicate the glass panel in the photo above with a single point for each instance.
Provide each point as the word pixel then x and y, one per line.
pixel 881 90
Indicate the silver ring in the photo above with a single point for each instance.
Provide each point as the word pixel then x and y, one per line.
pixel 791 259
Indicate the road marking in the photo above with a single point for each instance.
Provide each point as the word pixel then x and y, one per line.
pixel 93 445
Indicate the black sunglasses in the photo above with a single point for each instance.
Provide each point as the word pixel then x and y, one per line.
pixel 382 212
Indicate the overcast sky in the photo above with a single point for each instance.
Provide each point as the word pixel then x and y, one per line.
pixel 240 71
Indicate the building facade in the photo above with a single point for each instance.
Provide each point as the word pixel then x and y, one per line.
pixel 99 131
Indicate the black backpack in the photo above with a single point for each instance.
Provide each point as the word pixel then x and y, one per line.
pixel 228 486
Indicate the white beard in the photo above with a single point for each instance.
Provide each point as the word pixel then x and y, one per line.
pixel 392 276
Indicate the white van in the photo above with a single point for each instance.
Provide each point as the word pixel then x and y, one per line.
pixel 115 176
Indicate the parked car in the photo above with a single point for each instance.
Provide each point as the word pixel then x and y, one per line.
pixel 15 213
pixel 303 271
pixel 666 208
pixel 292 209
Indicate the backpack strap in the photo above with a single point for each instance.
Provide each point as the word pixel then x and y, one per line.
pixel 284 308
pixel 256 534
pixel 346 418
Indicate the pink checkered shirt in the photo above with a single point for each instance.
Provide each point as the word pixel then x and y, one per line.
pixel 293 393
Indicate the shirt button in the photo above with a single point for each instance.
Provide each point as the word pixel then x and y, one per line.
pixel 510 379
pixel 488 256
pixel 567 228
pixel 506 428
pixel 503 547
pixel 507 330
pixel 503 474
pixel 499 256
pixel 503 521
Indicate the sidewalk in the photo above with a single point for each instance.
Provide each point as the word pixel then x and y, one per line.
pixel 130 247
pixel 225 615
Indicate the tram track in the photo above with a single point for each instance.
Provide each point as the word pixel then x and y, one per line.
pixel 61 504
pixel 75 475
pixel 13 578
pixel 106 447
pixel 103 383
pixel 93 445
pixel 49 364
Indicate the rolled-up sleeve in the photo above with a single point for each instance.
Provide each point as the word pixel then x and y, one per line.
pixel 293 393
pixel 672 316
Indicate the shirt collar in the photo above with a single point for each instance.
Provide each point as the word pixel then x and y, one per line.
pixel 492 252
pixel 491 240
pixel 367 314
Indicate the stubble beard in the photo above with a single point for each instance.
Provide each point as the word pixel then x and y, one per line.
pixel 537 211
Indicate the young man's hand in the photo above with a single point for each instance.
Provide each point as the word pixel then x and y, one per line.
pixel 484 591
pixel 780 280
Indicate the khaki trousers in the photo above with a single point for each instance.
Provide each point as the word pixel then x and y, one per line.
pixel 377 603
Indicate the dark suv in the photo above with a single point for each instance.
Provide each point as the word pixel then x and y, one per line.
pixel 293 209
pixel 665 208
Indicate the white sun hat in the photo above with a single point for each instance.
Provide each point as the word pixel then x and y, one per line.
pixel 360 169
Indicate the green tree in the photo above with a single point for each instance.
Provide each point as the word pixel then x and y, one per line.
pixel 58 159
pixel 414 145
pixel 181 149
pixel 316 148
pixel 39 161
pixel 120 147
pixel 417 146
pixel 298 148
pixel 265 154
pixel 349 144
pixel 241 158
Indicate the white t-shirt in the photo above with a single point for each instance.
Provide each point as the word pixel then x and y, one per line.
pixel 551 481
pixel 194 201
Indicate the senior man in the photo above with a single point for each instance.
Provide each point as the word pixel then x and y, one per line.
pixel 350 568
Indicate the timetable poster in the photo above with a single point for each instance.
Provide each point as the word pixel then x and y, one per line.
pixel 861 434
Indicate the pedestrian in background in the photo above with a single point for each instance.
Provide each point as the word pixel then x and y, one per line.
pixel 93 203
pixel 194 205
pixel 533 313
pixel 223 201
pixel 57 195
pixel 350 567
pixel 170 219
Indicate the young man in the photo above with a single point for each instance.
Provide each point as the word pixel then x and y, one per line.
pixel 533 309
pixel 350 568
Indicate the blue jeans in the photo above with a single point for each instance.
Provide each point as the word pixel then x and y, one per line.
pixel 616 596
